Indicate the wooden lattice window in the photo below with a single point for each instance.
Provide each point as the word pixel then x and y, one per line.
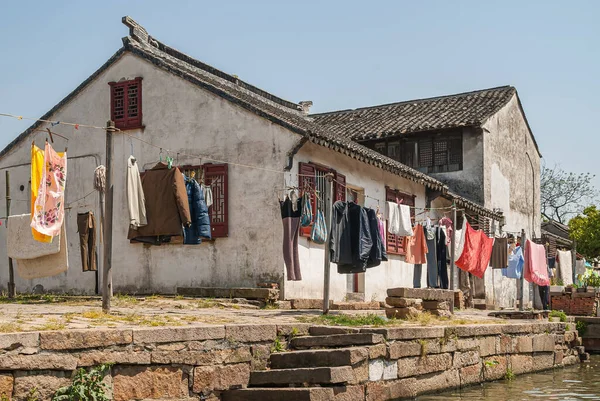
pixel 394 242
pixel 215 176
pixel 311 177
pixel 126 103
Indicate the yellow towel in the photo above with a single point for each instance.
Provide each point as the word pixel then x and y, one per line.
pixel 37 172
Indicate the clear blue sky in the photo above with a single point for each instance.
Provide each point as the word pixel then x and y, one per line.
pixel 339 54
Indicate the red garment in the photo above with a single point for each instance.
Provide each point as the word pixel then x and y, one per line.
pixel 415 247
pixel 477 252
pixel 536 268
pixel 446 222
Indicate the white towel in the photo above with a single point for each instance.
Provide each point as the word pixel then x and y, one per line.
pixel 46 266
pixel 459 241
pixel 580 267
pixel 20 243
pixel 565 267
pixel 398 217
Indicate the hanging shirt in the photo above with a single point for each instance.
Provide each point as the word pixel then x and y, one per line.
pixel 381 226
pixel 515 264
pixel 447 223
pixel 49 205
pixel 398 217
pixel 565 267
pixel 500 253
pixel 208 195
pixel 37 172
pixel 415 246
pixel 200 226
pixel 535 269
pixel 477 252
pixel 459 241
pixel 136 202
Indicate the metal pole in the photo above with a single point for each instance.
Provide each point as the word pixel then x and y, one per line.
pixel 574 261
pixel 107 266
pixel 453 256
pixel 12 291
pixel 326 261
pixel 522 279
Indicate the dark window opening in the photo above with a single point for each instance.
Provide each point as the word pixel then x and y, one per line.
pixel 126 103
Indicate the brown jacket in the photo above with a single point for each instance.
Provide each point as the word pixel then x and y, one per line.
pixel 167 206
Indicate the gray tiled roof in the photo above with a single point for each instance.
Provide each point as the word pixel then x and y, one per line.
pixel 460 110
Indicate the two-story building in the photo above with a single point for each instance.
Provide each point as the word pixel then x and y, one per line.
pixel 250 145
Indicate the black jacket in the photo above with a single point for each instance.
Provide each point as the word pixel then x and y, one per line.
pixel 351 242
pixel 378 253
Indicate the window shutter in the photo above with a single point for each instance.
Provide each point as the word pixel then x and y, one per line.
pixel 126 103
pixel 215 175
pixel 455 152
pixel 307 181
pixel 425 153
pixel 340 187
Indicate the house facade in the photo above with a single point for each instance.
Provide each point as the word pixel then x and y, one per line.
pixel 249 145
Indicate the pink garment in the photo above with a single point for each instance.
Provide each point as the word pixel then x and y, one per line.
pixel 49 206
pixel 477 252
pixel 381 226
pixel 446 222
pixel 536 268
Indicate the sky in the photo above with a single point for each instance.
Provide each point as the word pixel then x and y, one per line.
pixel 338 53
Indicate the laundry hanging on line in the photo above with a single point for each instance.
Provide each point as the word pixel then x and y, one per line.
pixel 290 217
pixel 200 224
pixel 516 261
pixel 136 201
pixel 565 267
pixel 477 252
pixel 535 269
pixel 21 244
pixel 499 259
pixel 46 266
pixel 398 217
pixel 86 227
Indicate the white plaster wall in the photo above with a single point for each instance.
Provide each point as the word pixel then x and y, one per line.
pixel 183 118
pixel 394 273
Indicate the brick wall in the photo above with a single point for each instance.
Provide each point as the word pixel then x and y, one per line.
pixel 576 303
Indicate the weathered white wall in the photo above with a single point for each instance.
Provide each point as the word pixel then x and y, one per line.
pixel 183 118
pixel 468 182
pixel 394 273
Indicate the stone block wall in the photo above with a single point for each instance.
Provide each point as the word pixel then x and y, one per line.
pixel 203 362
pixel 149 363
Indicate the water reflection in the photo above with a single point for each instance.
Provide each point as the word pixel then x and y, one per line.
pixel 579 382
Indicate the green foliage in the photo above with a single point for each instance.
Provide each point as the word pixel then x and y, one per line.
pixel 86 386
pixel 423 344
pixel 559 314
pixel 490 364
pixel 509 374
pixel 593 280
pixel 585 229
pixel 353 320
pixel 33 395
pixel 581 328
pixel 278 345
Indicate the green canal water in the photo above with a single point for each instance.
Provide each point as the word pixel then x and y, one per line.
pixel 578 382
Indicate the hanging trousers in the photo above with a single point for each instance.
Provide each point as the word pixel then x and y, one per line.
pixel 86 226
pixel 544 294
pixel 417 276
pixel 432 264
pixel 441 258
pixel 291 231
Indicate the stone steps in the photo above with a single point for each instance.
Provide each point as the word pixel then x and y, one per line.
pixel 285 377
pixel 336 340
pixel 279 394
pixel 318 358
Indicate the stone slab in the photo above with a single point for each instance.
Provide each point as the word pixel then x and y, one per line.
pixel 438 381
pixel 295 329
pixel 470 374
pixel 407 333
pixel 543 343
pixel 487 346
pixel 17 340
pixel 523 344
pixel 433 305
pixel 82 339
pixel 336 340
pixel 278 394
pixel 307 303
pixel 45 384
pixel 494 367
pixel 94 358
pixel 543 361
pixel 422 293
pixel 403 302
pixel 38 362
pixel 374 305
pixel 7 382
pixel 401 313
pixel 213 292
pixel 175 334
pixel 143 382
pixel 329 375
pixel 250 333
pixel 318 358
pixel 328 330
pixel 402 349
pixel 477 330
pixel 201 358
pixel 391 390
pixel 382 369
pixel 218 378
pixel 521 364
pixel 467 358
pixel 415 366
pixel 378 351
pixel 348 393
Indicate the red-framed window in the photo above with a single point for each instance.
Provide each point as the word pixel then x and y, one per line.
pixel 215 176
pixel 312 176
pixel 126 103
pixel 394 243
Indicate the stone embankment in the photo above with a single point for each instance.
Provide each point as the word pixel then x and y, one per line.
pixel 243 362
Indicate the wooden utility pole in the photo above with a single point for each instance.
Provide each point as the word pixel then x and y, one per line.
pixel 453 255
pixel 12 291
pixel 107 286
pixel 326 261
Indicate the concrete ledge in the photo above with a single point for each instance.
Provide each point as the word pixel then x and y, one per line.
pixel 267 294
pixel 16 340
pixel 82 339
pixel 407 333
pixel 422 293
pixel 251 333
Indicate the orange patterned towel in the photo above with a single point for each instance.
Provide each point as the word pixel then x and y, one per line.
pixel 49 207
